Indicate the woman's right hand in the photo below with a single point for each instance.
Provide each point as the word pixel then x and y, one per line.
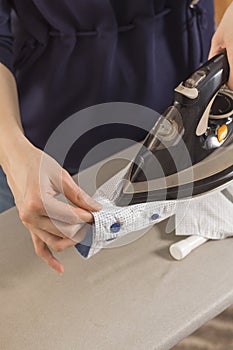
pixel 35 179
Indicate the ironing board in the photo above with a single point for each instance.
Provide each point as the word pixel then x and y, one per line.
pixel 131 297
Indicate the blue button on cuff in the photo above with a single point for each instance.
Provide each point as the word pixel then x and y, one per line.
pixel 155 216
pixel 115 227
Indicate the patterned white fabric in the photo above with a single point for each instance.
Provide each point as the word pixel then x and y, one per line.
pixel 209 215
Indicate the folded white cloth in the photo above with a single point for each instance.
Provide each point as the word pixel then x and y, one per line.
pixel 209 215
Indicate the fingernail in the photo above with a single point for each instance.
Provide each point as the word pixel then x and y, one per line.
pixel 95 204
pixel 61 271
pixel 99 206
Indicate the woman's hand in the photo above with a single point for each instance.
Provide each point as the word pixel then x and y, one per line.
pixel 35 179
pixel 223 39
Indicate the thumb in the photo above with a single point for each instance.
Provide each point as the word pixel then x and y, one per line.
pixel 216 44
pixel 214 50
pixel 77 196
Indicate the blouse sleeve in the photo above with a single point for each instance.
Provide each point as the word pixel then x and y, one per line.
pixel 6 37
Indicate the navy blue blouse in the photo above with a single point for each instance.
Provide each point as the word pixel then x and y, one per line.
pixel 67 55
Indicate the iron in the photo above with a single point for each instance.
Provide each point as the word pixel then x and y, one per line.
pixel 189 151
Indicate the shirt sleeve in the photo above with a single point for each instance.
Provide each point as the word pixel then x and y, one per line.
pixel 209 216
pixel 6 37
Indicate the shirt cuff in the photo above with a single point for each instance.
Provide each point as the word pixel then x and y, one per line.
pixel 113 222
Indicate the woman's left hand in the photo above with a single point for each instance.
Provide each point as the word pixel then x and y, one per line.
pixel 223 39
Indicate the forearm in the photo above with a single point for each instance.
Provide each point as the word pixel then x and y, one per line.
pixel 12 138
pixel 223 39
